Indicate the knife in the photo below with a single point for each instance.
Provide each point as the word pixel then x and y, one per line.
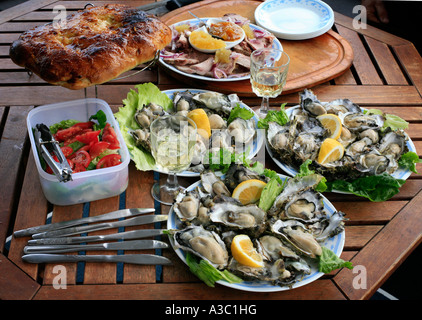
pixel 126 258
pixel 101 226
pixel 65 224
pixel 122 245
pixel 134 234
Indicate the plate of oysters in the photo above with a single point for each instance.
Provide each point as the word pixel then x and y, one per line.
pixel 240 135
pixel 369 148
pixel 289 236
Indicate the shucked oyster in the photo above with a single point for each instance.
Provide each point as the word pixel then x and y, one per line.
pixel 186 205
pixel 218 102
pixel 357 122
pixel 310 103
pixel 296 234
pixel 145 116
pixel 242 130
pixel 238 173
pixel 203 243
pixel 231 215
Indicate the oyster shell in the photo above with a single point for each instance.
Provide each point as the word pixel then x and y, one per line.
pixel 357 122
pixel 304 206
pixel 142 138
pixel 375 163
pixel 213 184
pixel 296 234
pixel 183 101
pixel 272 248
pixel 341 106
pixel 147 114
pixel 310 103
pixel 238 173
pixel 218 102
pixel 186 205
pixel 393 143
pixel 203 243
pixel 234 216
pixel 216 122
pixel 242 130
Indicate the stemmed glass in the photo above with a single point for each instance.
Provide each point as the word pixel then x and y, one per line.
pixel 269 69
pixel 173 139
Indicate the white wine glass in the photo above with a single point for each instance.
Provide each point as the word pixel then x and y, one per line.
pixel 269 68
pixel 173 139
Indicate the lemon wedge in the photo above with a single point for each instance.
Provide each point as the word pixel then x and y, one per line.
pixel 244 252
pixel 249 191
pixel 333 123
pixel 331 150
pixel 199 116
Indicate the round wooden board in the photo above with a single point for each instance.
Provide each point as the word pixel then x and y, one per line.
pixel 312 61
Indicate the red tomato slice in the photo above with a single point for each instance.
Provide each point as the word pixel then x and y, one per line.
pixel 98 148
pixel 50 171
pixel 64 134
pixel 109 160
pixel 81 157
pixel 84 125
pixel 110 136
pixel 67 151
pixel 88 137
pixel 79 168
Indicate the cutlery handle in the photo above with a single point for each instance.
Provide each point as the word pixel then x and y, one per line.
pixel 61 248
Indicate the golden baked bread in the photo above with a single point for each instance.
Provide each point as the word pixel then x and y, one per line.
pixel 93 46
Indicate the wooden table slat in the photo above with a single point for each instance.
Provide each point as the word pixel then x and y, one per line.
pixel 362 62
pixel 388 248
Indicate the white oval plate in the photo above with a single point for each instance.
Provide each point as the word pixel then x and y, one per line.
pixel 335 244
pixel 257 142
pixel 276 45
pixel 400 173
pixel 295 19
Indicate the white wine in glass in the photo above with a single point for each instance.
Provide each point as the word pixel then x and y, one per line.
pixel 269 68
pixel 173 139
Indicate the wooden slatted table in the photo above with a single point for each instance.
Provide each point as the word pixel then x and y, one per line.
pixel 379 236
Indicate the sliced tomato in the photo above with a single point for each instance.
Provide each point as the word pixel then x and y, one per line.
pixel 81 157
pixel 88 137
pixel 67 151
pixel 50 171
pixel 110 136
pixel 64 134
pixel 78 168
pixel 98 148
pixel 84 125
pixel 109 160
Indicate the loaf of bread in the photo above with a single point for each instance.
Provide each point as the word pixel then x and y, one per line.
pixel 91 46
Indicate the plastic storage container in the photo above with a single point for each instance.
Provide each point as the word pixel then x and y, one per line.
pixel 88 185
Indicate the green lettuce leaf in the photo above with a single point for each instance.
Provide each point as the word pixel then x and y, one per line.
pixel 409 161
pixel 280 117
pixel 239 112
pixel 64 124
pixel 208 273
pixel 375 188
pixel 136 99
pixel 328 261
pixel 391 120
pixel 270 192
pixel 304 170
pixel 101 117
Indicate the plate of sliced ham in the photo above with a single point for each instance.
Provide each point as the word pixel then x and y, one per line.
pixel 224 65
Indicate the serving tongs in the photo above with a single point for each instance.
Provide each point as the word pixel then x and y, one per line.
pixel 47 146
